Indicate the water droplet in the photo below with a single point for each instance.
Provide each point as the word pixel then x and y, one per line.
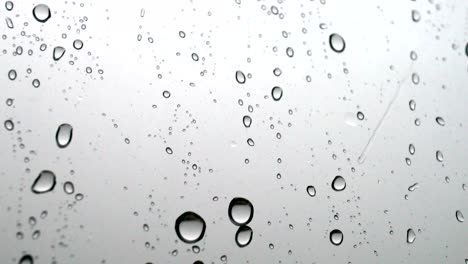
pixel 190 227
pixel 413 187
pixel 408 161
pixel 169 151
pixel 411 149
pixel 26 259
pixel 412 105
pixel 311 190
pixel 440 121
pixel 277 72
pixel 64 135
pixel 360 115
pixel 45 182
pixel 339 183
pixel 166 94
pixel 415 78
pixel 337 43
pixel 247 120
pixel 410 236
pixel 459 216
pixel 415 15
pixel 240 211
pixel 413 55
pixel 9 125
pixel 244 236
pixel 68 187
pixel 36 83
pixel 439 156
pixel 194 56
pixel 9 22
pixel 78 44
pixel 9 5
pixel 250 142
pixel 36 234
pixel 290 52
pixel 41 13
pixel 58 53
pixel 336 237
pixel 12 75
pixel 276 93
pixel 240 77
pixel 181 34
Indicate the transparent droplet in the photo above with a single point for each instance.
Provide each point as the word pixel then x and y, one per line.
pixel 250 142
pixel 244 236
pixel 45 182
pixel 277 71
pixel 145 227
pixel 311 190
pixel 166 94
pixel 337 43
pixel 64 135
pixel 68 187
pixel 26 259
pixel 169 151
pixel 41 13
pixel 9 22
pixel 240 77
pixel 408 161
pixel 58 53
pixel 190 227
pixel 276 93
pixel 43 47
pixel 439 156
pixel 413 55
pixel 415 15
pixel 339 183
pixel 360 115
pixel 247 120
pixel 36 83
pixel 194 56
pixel 290 52
pixel 181 34
pixel 240 211
pixel 412 105
pixel 411 149
pixel 9 5
pixel 410 236
pixel 36 234
pixel 336 237
pixel 78 44
pixel 413 187
pixel 440 121
pixel 12 75
pixel 459 216
pixel 415 78
pixel 9 125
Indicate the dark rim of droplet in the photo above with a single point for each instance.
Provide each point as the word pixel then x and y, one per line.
pixel 48 15
pixel 330 40
pixel 39 178
pixel 337 232
pixel 26 259
pixel 241 229
pixel 189 216
pixel 58 132
pixel 277 89
pixel 240 201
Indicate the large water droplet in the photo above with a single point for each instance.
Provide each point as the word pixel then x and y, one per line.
pixel 276 93
pixel 338 183
pixel 240 77
pixel 190 227
pixel 240 211
pixel 439 156
pixel 78 44
pixel 311 190
pixel 337 43
pixel 410 236
pixel 45 182
pixel 64 135
pixel 12 75
pixel 336 237
pixel 26 259
pixel 244 236
pixel 440 121
pixel 41 13
pixel 58 53
pixel 459 216
pixel 9 125
pixel 247 120
pixel 9 5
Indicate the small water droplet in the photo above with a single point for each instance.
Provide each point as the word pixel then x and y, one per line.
pixel 290 52
pixel 311 190
pixel 41 13
pixel 9 125
pixel 36 234
pixel 459 216
pixel 412 105
pixel 240 211
pixel 190 227
pixel 440 121
pixel 68 187
pixel 12 75
pixel 247 120
pixel 26 259
pixel 411 149
pixel 415 78
pixel 240 77
pixel 415 15
pixel 337 43
pixel 36 83
pixel 244 236
pixel 64 135
pixel 277 72
pixel 9 5
pixel 9 22
pixel 166 94
pixel 276 93
pixel 78 44
pixel 410 236
pixel 194 56
pixel 169 151
pixel 58 53
pixel 413 187
pixel 439 156
pixel 45 182
pixel 339 183
pixel 360 115
pixel 336 237
pixel 413 55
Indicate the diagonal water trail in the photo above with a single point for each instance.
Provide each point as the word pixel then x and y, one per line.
pixel 362 157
